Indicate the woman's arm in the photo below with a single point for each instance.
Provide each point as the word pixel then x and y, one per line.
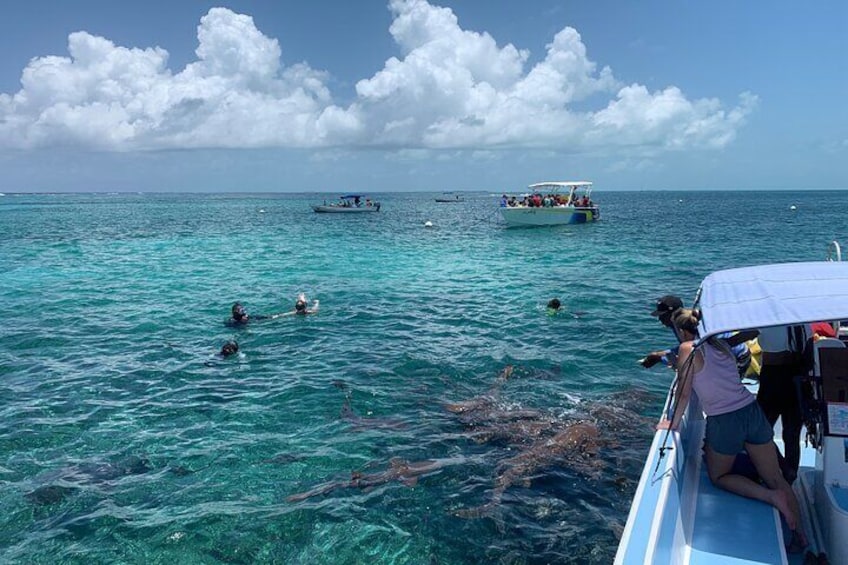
pixel 685 372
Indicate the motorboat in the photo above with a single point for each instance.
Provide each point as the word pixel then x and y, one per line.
pixel 678 516
pixel 348 204
pixel 450 197
pixel 551 203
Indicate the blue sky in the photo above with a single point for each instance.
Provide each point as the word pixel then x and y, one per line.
pixel 389 95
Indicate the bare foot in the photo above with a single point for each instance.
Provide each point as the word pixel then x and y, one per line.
pixel 780 500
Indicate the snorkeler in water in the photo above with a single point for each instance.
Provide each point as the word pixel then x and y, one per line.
pixel 554 305
pixel 300 307
pixel 229 348
pixel 240 317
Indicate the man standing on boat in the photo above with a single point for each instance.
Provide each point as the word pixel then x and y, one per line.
pixel 784 348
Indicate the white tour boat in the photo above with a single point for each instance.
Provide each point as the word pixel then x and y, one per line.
pixel 551 204
pixel 348 204
pixel 678 516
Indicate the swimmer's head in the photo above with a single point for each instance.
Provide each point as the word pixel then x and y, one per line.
pixel 300 306
pixel 554 304
pixel 230 348
pixel 238 312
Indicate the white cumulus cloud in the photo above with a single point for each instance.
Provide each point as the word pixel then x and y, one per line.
pixel 448 88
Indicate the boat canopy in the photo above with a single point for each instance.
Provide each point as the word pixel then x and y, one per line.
pixel 773 295
pixel 558 185
pixel 346 196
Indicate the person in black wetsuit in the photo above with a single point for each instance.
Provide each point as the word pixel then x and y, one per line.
pixel 229 348
pixel 240 317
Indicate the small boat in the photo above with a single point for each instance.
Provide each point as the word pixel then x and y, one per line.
pixel 348 204
pixel 450 197
pixel 551 204
pixel 677 514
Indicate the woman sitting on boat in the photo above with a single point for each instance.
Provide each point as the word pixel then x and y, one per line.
pixel 734 421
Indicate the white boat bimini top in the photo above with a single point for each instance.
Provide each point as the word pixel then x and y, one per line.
pixel 773 295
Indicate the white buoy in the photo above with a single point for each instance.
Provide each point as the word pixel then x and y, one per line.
pixel 261 210
pixel 681 200
pixel 428 224
pixel 793 207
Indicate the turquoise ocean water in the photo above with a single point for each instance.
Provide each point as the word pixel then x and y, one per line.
pixel 113 308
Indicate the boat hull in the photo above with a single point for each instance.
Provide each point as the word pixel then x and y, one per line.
pixel 552 216
pixel 344 209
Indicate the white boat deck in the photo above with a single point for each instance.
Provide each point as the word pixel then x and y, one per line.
pixel 716 527
pixel 678 516
pixel 730 529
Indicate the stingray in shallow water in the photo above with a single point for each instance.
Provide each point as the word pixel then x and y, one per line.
pixel 68 480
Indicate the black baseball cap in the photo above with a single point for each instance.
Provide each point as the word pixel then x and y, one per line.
pixel 666 305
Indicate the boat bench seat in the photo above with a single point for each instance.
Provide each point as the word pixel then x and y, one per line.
pixel 729 528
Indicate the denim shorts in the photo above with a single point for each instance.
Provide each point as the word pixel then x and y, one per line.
pixel 728 433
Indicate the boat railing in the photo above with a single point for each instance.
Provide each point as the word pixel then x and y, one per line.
pixel 834 253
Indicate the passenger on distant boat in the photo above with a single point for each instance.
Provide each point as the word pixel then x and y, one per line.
pixel 735 421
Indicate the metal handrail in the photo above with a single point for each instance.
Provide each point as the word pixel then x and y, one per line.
pixel 834 253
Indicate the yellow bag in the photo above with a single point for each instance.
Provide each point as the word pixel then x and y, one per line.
pixel 756 358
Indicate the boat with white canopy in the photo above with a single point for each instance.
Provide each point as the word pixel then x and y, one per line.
pixel 678 516
pixel 551 203
pixel 348 204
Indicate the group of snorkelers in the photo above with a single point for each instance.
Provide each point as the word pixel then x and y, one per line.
pixel 547 201
pixel 240 317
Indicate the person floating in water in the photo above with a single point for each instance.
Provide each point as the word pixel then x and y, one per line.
pixel 240 317
pixel 229 348
pixel 300 306
pixel 554 305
